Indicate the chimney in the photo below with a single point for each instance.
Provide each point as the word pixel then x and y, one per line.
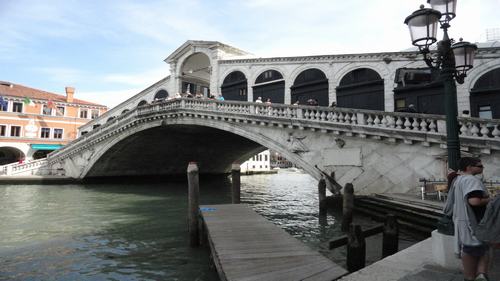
pixel 70 91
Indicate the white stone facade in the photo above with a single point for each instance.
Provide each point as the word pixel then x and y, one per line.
pixel 258 163
pixel 223 60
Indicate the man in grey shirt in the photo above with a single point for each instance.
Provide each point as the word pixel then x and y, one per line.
pixel 471 198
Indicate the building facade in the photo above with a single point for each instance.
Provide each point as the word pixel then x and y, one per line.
pixel 258 163
pixel 34 123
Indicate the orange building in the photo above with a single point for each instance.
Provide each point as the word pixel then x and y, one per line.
pixel 34 122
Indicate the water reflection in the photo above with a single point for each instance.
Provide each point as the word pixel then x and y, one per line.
pixel 114 232
pixel 138 231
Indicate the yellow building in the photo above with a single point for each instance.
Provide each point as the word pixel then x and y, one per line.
pixel 34 122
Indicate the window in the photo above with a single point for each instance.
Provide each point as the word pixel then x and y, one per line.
pixel 205 91
pixel 45 133
pixel 15 131
pixel 269 74
pixel 485 112
pixel 95 113
pixel 46 110
pixel 96 126
pixel 60 110
pixel 83 113
pixel 400 104
pixel 58 133
pixel 265 157
pixel 4 105
pixel 17 107
pixel 3 130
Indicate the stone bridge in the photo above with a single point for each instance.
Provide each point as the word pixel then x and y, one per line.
pixel 376 151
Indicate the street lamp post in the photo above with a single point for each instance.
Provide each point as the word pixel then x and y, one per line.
pixel 453 61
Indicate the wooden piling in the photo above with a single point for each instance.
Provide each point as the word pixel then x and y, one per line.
pixel 322 198
pixel 356 249
pixel 390 238
pixel 236 183
pixel 193 204
pixel 347 206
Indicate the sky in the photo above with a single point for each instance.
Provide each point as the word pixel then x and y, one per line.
pixel 110 50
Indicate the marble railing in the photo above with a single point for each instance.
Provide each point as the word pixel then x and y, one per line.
pixel 470 128
pixel 22 168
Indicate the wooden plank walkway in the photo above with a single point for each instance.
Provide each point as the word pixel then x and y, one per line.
pixel 247 247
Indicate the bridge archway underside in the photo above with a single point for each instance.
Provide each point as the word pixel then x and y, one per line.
pixel 167 150
pixel 377 151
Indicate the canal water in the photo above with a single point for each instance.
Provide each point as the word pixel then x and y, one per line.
pixel 131 231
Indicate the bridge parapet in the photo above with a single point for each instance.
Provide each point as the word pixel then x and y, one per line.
pixel 476 133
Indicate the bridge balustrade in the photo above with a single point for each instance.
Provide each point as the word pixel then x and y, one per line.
pixel 470 128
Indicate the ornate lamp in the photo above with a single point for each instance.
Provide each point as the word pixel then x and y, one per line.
pixel 423 25
pixel 464 58
pixel 453 62
pixel 447 8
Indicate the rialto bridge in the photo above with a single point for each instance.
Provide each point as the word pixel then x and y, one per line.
pixel 388 81
pixel 375 150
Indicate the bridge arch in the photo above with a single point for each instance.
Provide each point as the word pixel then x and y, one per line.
pixel 485 95
pixel 361 88
pixel 250 144
pixel 161 94
pixel 270 84
pixel 235 86
pixel 310 84
pixel 9 154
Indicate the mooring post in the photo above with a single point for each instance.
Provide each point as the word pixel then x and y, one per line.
pixel 356 249
pixel 322 197
pixel 236 183
pixel 193 204
pixel 390 238
pixel 347 206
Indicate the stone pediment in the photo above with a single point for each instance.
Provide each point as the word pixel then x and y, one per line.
pixel 215 46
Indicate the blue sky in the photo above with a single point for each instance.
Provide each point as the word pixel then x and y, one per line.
pixel 110 50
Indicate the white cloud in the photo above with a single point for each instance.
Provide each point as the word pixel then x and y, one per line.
pixel 108 98
pixel 137 79
pixel 62 75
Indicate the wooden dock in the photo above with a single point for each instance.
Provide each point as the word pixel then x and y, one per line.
pixel 247 247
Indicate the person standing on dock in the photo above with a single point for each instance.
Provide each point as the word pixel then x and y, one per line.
pixel 471 198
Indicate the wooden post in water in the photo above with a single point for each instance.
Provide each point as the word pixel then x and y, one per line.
pixel 390 238
pixel 193 204
pixel 347 206
pixel 236 183
pixel 322 197
pixel 356 249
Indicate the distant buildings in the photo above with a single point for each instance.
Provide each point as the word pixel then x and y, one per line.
pixel 265 161
pixel 34 123
pixel 259 163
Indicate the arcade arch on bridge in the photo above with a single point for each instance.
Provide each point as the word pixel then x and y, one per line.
pixel 235 87
pixel 362 88
pixel 310 84
pixel 485 95
pixel 421 88
pixel 195 74
pixel 270 85
pixel 159 96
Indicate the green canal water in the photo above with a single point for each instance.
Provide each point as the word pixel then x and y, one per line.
pixel 130 231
